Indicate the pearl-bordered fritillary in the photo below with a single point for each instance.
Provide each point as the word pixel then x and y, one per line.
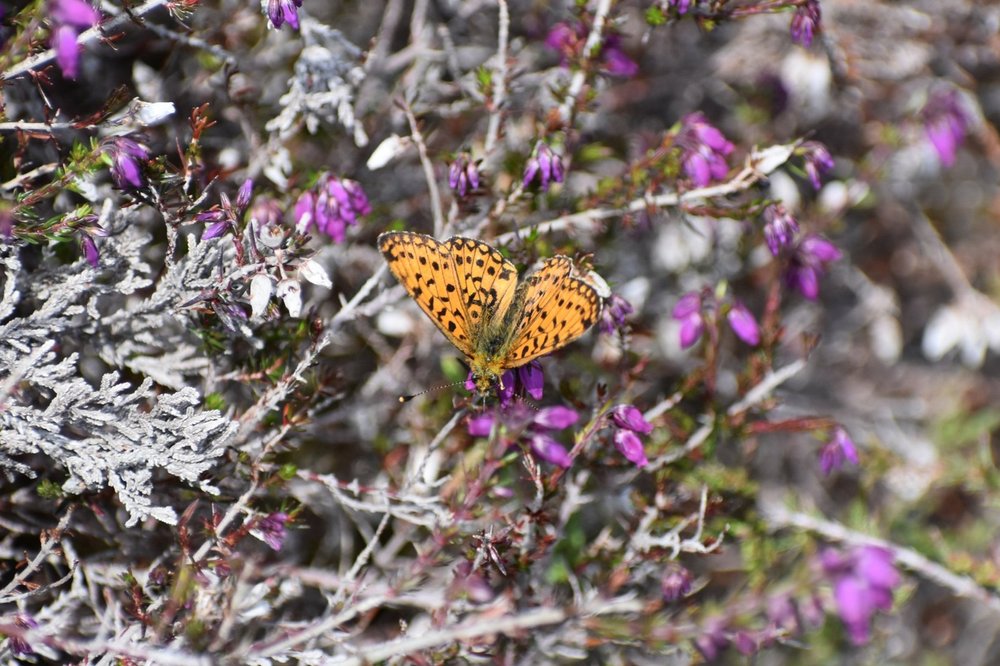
pixel 471 292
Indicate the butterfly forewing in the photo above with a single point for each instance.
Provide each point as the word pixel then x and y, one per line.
pixel 558 308
pixel 427 271
pixel 487 280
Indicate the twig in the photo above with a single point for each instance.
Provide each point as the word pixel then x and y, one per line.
pixel 589 50
pixel 85 37
pixel 488 625
pixel 499 79
pixel 759 392
pixel 193 42
pixel 45 549
pixel 770 382
pixel 428 166
pixel 759 165
pixel 779 517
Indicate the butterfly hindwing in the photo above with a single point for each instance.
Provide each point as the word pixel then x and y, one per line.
pixel 426 269
pixel 557 309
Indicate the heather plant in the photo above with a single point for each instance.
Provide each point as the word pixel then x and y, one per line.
pixel 772 434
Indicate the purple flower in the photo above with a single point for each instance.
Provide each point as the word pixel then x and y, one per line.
pixel 688 312
pixel 614 60
pixel 676 583
pixel 704 150
pixel 272 529
pixel 805 22
pixel 69 18
pixel 565 40
pixel 569 41
pixel 337 203
pixel 19 646
pixel 818 161
pixel 6 223
pixel 630 446
pixel 267 212
pixel 782 614
pixel 629 424
pixel 863 583
pixel 243 195
pixel 546 165
pixel 305 211
pixel 463 176
pixel 837 451
pixel 743 323
pixel 779 228
pixel 945 123
pixel 713 639
pixel 126 155
pixel 90 250
pixel 808 263
pixel 630 418
pixel 614 313
pixel 531 427
pixel 680 5
pixel 284 11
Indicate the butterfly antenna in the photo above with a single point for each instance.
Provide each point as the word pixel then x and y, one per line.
pixel 407 398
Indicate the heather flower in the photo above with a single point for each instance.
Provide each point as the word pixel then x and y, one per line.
pixel 629 424
pixel 863 583
pixel 782 615
pixel 18 646
pixel 704 150
pixel 779 228
pixel 805 22
pixel 808 263
pixel 534 428
pixel 527 379
pixel 945 123
pixel 688 312
pixel 696 309
pixel 126 156
pixel 614 60
pixel 6 223
pixel 544 164
pixel 69 18
pixel 743 323
pixel 818 161
pixel 284 11
pixel 569 42
pixel 90 250
pixel 243 195
pixel 463 176
pixel 271 529
pixel 630 418
pixel 676 583
pixel 838 450
pixel 713 639
pixel 680 5
pixel 566 41
pixel 616 309
pixel 305 211
pixel 336 204
pixel 267 212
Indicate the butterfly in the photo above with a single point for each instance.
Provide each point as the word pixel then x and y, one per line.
pixel 472 294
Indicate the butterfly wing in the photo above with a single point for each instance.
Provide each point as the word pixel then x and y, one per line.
pixel 558 308
pixel 426 269
pixel 487 279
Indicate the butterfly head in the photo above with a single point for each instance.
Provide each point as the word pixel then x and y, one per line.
pixel 487 373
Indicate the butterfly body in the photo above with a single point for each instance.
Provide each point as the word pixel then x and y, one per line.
pixel 471 293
